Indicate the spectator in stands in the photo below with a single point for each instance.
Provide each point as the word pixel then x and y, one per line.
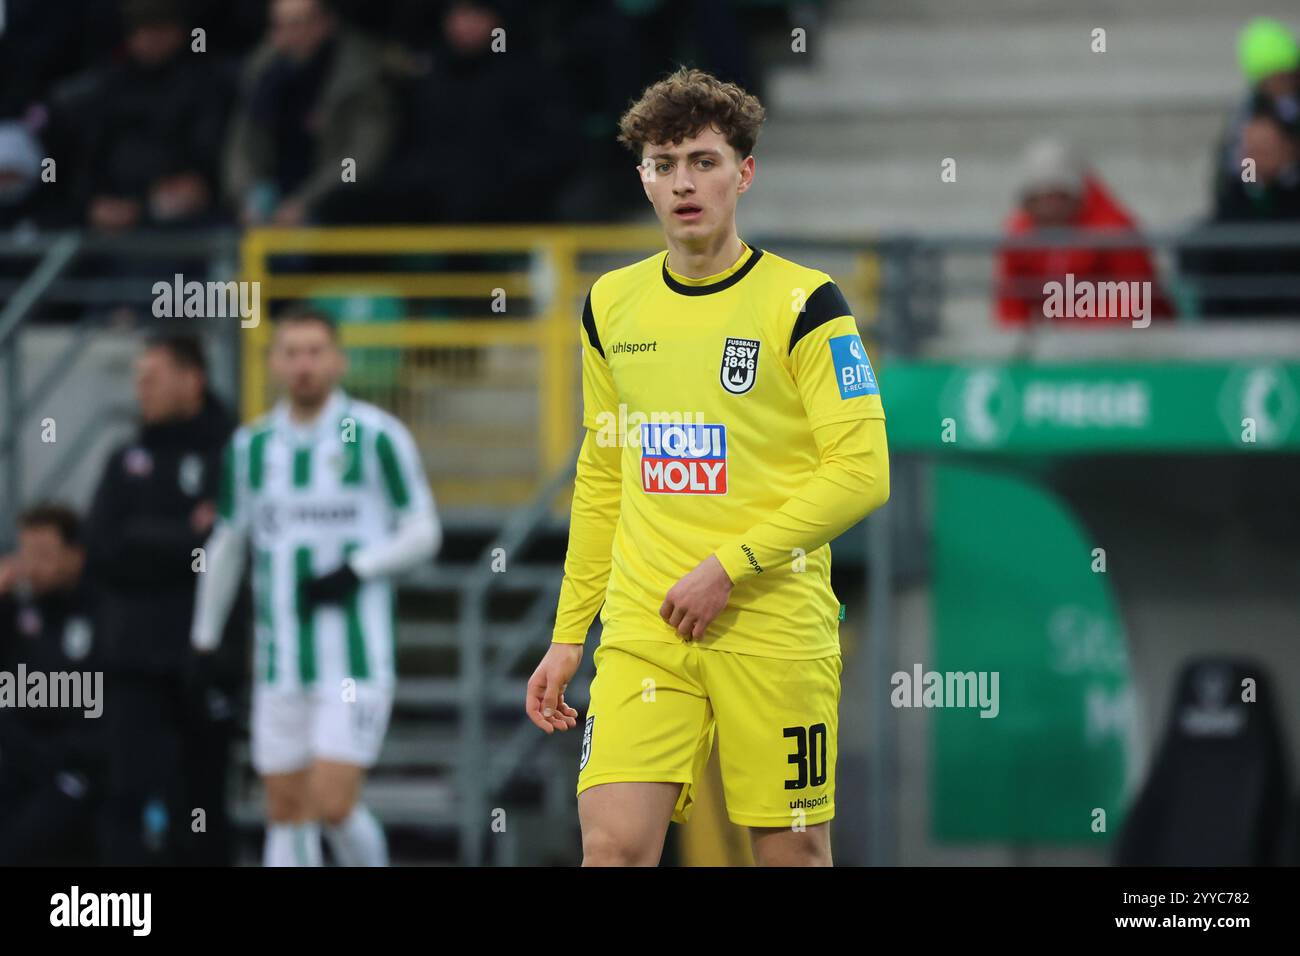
pixel 1059 192
pixel 170 725
pixel 606 58
pixel 1270 60
pixel 313 96
pixel 51 757
pixel 480 133
pixel 148 130
pixel 1270 195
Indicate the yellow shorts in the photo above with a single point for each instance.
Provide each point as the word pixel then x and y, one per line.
pixel 654 706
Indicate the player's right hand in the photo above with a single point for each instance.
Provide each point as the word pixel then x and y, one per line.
pixel 545 701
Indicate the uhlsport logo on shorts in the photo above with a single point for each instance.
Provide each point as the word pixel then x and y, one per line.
pixel 683 458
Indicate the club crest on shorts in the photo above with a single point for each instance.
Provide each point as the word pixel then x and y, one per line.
pixel 190 475
pixel 76 638
pixel 586 742
pixel 739 364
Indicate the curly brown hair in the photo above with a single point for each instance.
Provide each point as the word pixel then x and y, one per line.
pixel 686 102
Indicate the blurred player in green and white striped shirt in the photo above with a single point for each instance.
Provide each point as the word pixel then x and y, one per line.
pixel 330 493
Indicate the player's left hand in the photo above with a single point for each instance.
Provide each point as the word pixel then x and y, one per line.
pixel 332 588
pixel 694 601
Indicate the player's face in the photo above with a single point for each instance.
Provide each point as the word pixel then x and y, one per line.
pixel 694 185
pixel 1268 144
pixel 47 563
pixel 306 361
pixel 1281 85
pixel 154 43
pixel 298 28
pixel 1052 208
pixel 164 389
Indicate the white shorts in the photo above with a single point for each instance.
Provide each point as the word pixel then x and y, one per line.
pixel 294 727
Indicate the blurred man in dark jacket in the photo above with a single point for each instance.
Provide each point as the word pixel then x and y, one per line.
pixel 151 514
pixel 312 97
pixel 459 92
pixel 567 73
pixel 51 756
pixel 150 128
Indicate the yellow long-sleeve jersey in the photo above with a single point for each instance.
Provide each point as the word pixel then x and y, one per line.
pixel 736 415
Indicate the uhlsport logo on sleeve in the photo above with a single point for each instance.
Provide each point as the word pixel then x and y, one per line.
pixel 586 742
pixel 852 367
pixel 683 459
pixel 739 364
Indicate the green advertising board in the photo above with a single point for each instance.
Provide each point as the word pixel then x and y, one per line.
pixel 1080 408
pixel 1017 594
pixel 1016 590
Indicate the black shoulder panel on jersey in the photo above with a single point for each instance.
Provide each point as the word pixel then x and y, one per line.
pixel 826 303
pixel 589 323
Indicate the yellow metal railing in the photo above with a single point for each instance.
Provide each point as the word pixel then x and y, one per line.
pixel 552 333
pixel 554 282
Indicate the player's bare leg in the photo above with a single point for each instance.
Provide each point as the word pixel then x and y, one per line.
pixel 292 837
pixel 335 789
pixel 624 824
pixel 286 797
pixel 354 834
pixel 783 846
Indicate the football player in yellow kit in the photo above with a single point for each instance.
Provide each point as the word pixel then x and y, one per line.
pixel 733 429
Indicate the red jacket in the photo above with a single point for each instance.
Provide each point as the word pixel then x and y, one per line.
pixel 1022 273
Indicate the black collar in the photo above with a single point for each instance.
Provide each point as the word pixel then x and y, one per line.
pixel 718 286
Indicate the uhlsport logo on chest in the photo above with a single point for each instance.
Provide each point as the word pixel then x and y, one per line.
pixel 683 459
pixel 739 364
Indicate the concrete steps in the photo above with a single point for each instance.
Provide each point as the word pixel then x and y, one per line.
pixel 954 11
pixel 889 89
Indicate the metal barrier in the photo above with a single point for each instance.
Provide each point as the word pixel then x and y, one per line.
pixel 545 275
pixel 122 271
pixel 940 290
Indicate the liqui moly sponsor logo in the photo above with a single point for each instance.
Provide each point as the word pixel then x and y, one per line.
pixel 684 458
